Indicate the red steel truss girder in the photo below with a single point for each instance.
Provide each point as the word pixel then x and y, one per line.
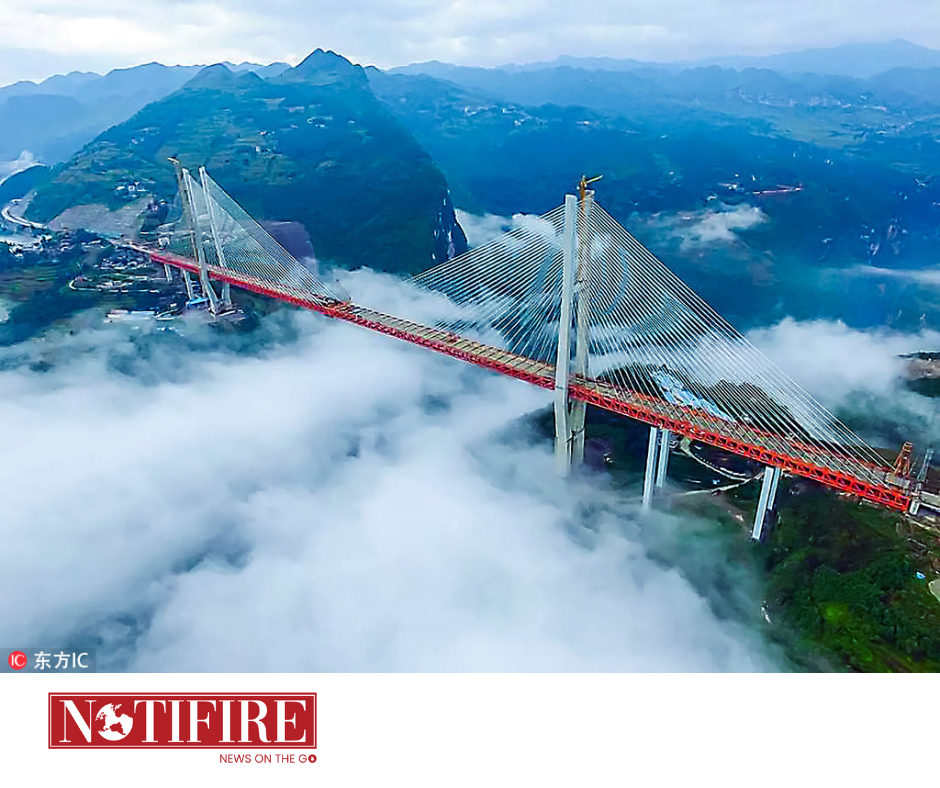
pixel 885 496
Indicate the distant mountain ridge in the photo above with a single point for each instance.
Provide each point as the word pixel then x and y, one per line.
pixel 849 60
pixel 52 119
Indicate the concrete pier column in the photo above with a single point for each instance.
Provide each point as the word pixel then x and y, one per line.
pixel 663 461
pixel 768 490
pixel 650 476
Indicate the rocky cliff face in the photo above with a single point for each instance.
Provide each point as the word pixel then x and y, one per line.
pixel 449 238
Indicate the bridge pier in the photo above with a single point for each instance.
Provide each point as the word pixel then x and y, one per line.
pixel 765 503
pixel 185 181
pixel 657 461
pixel 652 464
pixel 665 436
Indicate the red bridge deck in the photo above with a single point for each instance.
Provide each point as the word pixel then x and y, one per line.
pixel 831 468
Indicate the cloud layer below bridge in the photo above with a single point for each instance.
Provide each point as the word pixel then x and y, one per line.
pixel 317 498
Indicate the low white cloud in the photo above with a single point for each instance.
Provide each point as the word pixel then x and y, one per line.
pixel 317 497
pixel 24 161
pixel 919 276
pixel 481 228
pixel 859 375
pixel 709 226
pixel 832 359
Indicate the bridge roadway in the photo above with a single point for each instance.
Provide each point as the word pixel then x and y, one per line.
pixel 831 468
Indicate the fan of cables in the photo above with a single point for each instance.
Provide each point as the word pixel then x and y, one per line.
pixel 649 335
pixel 232 240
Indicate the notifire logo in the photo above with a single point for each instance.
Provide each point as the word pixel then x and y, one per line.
pixel 183 721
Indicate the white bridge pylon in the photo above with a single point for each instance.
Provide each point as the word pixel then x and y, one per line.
pixel 219 234
pixel 570 414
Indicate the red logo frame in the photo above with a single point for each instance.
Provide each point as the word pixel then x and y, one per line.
pixel 165 720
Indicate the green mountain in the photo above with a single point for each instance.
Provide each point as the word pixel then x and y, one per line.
pixel 311 145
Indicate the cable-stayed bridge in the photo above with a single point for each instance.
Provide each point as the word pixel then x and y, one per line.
pixel 572 302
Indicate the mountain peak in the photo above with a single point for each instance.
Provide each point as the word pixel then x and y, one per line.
pixel 214 76
pixel 323 66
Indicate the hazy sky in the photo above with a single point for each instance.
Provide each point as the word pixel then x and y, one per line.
pixel 50 36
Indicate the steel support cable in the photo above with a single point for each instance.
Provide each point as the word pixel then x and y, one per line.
pixel 488 266
pixel 694 365
pixel 828 420
pixel 606 335
pixel 608 340
pixel 510 317
pixel 830 423
pixel 650 342
pixel 669 336
pixel 653 361
pixel 730 403
pixel 237 248
pixel 525 322
pixel 597 280
pixel 519 252
pixel 518 319
pixel 538 342
pixel 493 310
pixel 497 309
pixel 507 317
pixel 694 368
pixel 689 365
pixel 286 268
pixel 246 248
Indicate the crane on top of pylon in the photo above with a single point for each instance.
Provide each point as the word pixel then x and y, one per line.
pixel 583 185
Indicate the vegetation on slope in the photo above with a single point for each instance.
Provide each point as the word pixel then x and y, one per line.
pixel 843 575
pixel 311 145
pixel 840 576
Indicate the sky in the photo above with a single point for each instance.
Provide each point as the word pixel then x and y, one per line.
pixel 53 36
